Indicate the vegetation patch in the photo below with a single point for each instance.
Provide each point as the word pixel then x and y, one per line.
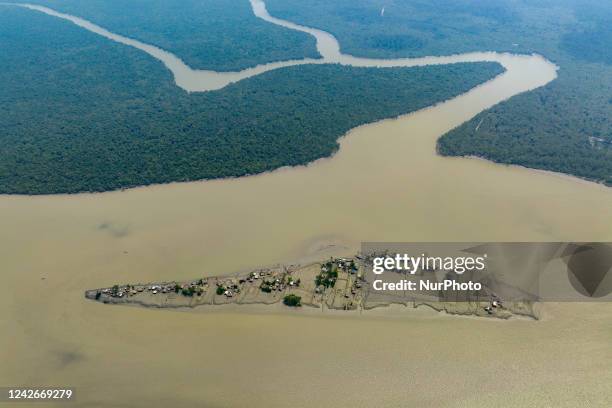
pixel 328 276
pixel 292 300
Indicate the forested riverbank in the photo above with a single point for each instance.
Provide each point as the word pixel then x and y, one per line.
pixel 565 126
pixel 102 116
pixel 219 35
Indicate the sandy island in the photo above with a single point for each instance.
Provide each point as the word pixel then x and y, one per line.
pixel 340 284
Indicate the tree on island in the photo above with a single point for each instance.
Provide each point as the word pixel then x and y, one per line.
pixel 188 291
pixel 293 300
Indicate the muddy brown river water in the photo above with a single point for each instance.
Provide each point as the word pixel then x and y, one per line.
pixel 385 184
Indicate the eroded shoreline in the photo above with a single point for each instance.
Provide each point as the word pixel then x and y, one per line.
pixel 339 284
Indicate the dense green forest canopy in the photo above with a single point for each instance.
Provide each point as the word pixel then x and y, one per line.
pixel 591 37
pixel 406 27
pixel 565 126
pixel 81 113
pixel 220 35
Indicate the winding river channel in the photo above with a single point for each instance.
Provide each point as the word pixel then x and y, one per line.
pixel 386 183
pixel 195 80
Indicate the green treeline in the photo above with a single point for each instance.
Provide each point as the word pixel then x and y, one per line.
pixel 591 37
pixel 220 35
pixel 407 28
pixel 81 113
pixel 513 133
pixel 565 126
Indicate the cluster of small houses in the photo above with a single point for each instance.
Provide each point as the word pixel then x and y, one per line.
pixel 195 287
pixel 495 303
pixel 267 280
pixel 329 274
pixel 274 282
pixel 347 265
pixel 271 281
